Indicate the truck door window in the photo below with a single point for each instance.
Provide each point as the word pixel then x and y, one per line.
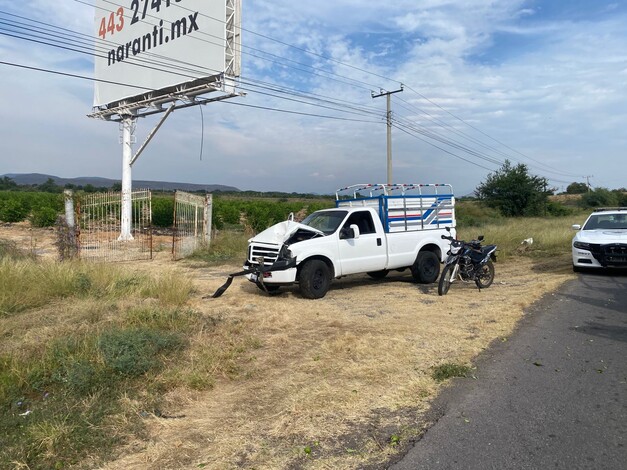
pixel 363 220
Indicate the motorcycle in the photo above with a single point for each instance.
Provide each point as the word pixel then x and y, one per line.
pixel 467 261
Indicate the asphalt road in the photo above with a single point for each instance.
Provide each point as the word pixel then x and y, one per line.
pixel 554 396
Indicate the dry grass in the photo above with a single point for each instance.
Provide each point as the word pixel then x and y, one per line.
pixel 333 383
pixel 551 236
pixel 281 382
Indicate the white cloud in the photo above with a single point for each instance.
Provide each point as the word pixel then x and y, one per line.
pixel 551 88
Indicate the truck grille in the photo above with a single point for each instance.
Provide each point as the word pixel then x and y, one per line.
pixel 269 253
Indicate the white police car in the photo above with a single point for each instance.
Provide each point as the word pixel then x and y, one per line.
pixel 602 241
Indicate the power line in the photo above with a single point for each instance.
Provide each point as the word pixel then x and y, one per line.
pixel 277 91
pixel 201 101
pixel 477 129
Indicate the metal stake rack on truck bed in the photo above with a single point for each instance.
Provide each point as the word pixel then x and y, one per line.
pixel 403 207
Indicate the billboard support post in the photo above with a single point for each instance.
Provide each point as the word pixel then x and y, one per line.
pixel 128 136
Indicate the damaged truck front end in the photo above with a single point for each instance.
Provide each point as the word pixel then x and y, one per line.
pixel 270 263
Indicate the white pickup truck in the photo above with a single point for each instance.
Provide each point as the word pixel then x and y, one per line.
pixel 373 229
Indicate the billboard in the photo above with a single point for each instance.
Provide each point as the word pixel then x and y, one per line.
pixel 143 48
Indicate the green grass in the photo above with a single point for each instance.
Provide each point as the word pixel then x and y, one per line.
pixel 227 246
pixel 449 370
pixel 551 235
pixel 89 349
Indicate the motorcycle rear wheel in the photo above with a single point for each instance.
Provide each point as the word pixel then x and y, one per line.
pixel 445 279
pixel 485 276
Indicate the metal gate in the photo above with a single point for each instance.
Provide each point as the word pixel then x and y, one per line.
pixel 99 217
pixel 192 223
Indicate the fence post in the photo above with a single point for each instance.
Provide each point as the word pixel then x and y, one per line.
pixel 208 218
pixel 70 222
pixel 69 209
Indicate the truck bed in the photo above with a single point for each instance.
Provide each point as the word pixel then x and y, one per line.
pixel 432 208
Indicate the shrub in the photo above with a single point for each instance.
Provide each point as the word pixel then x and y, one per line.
pixel 599 197
pixel 43 217
pixel 621 197
pixel 163 211
pixel 13 210
pixel 556 209
pixel 134 352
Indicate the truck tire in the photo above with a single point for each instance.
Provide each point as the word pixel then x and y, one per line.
pixel 315 279
pixel 378 274
pixel 426 268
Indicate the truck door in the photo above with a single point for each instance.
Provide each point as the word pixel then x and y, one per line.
pixel 366 253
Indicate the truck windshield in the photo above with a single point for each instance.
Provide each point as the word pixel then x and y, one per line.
pixel 327 221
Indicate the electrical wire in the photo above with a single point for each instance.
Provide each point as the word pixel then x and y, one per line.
pixel 284 93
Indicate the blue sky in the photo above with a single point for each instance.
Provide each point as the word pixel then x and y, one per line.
pixel 542 83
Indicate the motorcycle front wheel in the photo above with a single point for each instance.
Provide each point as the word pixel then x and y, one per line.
pixel 445 279
pixel 485 276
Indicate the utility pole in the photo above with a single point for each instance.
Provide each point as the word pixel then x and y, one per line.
pixel 388 94
pixel 588 181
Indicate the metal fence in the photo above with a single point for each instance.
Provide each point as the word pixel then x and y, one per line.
pixel 192 223
pixel 99 231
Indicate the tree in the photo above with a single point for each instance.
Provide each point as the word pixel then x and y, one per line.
pixel 514 192
pixel 577 188
pixel 49 187
pixel 7 183
pixel 600 197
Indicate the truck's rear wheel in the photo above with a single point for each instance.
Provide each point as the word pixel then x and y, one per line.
pixel 315 279
pixel 426 268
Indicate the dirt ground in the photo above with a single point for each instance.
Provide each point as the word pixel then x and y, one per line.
pixel 342 382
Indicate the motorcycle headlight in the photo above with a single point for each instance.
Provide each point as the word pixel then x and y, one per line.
pixel 455 249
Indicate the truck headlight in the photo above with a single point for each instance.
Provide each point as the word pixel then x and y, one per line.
pixel 284 253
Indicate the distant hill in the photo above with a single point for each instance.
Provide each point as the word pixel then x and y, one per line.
pixel 38 178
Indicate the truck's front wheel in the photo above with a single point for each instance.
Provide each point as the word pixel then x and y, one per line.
pixel 426 268
pixel 315 279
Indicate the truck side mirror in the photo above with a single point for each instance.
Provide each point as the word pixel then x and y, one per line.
pixel 350 232
pixel 355 230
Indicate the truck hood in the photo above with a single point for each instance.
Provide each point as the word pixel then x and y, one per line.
pixel 281 232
